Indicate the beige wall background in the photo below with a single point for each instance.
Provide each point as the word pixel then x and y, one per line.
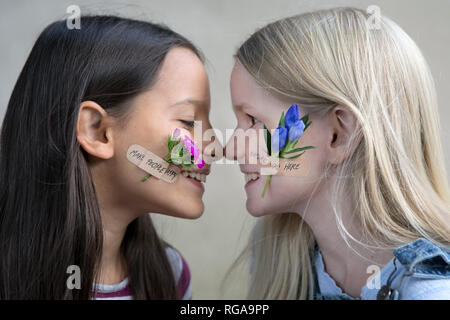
pixel 212 242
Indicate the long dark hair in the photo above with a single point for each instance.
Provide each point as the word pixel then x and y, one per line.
pixel 49 214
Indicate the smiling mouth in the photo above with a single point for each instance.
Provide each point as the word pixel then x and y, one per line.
pixel 195 175
pixel 251 177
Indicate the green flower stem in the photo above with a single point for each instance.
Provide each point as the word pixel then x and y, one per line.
pixel 289 146
pixel 146 177
pixel 267 185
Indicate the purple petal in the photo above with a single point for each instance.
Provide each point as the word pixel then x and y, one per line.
pixel 176 133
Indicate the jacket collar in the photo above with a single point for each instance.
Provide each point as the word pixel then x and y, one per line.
pixel 424 259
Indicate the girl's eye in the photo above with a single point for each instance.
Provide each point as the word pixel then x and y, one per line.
pixel 188 123
pixel 254 120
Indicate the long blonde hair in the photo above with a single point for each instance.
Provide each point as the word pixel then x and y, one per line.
pixel 398 181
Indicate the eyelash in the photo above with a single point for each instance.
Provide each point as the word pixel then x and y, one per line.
pixel 188 123
pixel 254 120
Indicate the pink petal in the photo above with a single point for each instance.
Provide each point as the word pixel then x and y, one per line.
pixel 201 164
pixel 191 146
pixel 187 142
pixel 176 133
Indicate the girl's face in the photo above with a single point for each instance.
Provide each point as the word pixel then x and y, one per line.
pixel 254 107
pixel 179 97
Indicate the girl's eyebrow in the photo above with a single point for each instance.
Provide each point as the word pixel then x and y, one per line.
pixel 242 106
pixel 192 101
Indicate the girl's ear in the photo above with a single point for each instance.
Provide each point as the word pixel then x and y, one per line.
pixel 94 130
pixel 343 125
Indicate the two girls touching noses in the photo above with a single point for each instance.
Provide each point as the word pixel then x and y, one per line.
pixel 376 192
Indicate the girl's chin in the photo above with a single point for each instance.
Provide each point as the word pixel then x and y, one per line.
pixel 259 207
pixel 256 208
pixel 191 211
pixel 194 214
pixel 188 202
pixel 185 208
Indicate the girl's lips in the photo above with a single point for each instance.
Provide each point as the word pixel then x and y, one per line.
pixel 251 182
pixel 250 177
pixel 194 182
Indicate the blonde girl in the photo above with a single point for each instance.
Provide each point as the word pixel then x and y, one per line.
pixel 371 220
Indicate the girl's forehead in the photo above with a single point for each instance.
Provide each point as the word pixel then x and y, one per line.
pixel 182 70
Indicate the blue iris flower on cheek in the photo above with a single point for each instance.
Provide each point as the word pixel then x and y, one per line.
pixel 294 125
pixel 284 139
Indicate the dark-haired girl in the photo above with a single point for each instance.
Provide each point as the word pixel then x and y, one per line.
pixel 69 198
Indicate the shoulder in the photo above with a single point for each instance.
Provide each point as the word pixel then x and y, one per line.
pixel 414 288
pixel 426 273
pixel 181 272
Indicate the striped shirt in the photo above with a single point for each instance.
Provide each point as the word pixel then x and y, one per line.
pixel 122 291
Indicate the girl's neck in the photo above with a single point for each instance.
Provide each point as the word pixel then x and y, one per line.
pixel 113 265
pixel 116 216
pixel 342 263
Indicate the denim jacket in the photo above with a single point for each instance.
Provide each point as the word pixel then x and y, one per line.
pixel 419 270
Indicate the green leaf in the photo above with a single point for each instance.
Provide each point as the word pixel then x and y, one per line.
pixel 307 125
pixel 289 145
pixel 294 157
pixel 146 177
pixel 268 138
pixel 281 122
pixel 171 143
pixel 305 118
pixel 299 149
